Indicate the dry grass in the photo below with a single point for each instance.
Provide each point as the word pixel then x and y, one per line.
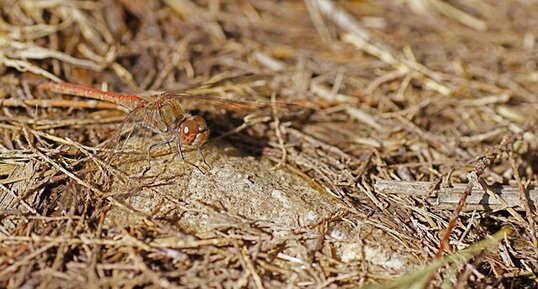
pixel 394 91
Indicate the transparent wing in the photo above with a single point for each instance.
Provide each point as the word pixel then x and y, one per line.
pixel 117 143
pixel 221 99
pixel 132 137
pixel 242 92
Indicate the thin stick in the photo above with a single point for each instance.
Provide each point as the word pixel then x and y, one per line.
pixel 473 177
pixel 447 198
pixel 278 133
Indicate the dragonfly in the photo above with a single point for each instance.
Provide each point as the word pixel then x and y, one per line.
pixel 163 112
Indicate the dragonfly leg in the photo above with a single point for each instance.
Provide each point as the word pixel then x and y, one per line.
pixel 154 145
pixel 203 158
pixel 182 157
pixel 148 156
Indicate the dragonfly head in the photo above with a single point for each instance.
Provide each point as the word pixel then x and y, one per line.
pixel 193 131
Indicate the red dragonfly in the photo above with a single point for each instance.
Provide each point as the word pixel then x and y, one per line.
pixel 163 112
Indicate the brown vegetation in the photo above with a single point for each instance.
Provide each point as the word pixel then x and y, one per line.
pixel 377 116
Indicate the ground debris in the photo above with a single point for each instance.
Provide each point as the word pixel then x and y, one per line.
pixel 359 125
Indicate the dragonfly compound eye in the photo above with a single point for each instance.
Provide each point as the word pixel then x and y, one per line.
pixel 193 131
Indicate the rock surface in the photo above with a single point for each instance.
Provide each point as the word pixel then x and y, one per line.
pixel 245 191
